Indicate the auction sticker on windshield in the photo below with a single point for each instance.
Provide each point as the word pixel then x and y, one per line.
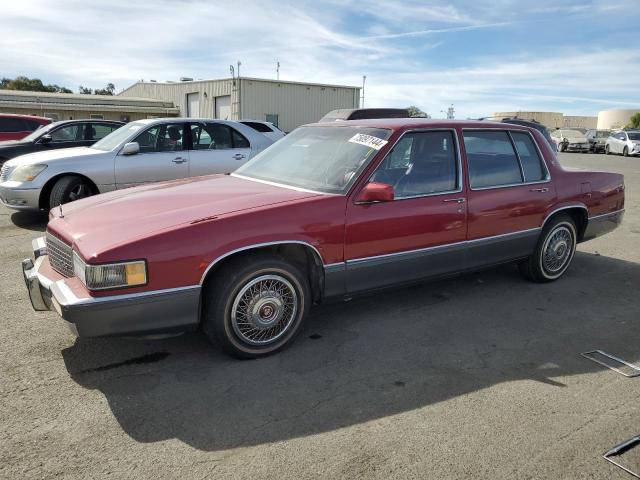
pixel 368 141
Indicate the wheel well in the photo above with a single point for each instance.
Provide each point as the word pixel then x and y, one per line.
pixel 302 256
pixel 578 215
pixel 46 190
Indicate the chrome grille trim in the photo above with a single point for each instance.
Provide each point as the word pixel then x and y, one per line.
pixel 4 173
pixel 60 256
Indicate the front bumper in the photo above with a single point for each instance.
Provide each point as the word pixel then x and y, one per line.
pixel 158 311
pixel 19 198
pixel 577 147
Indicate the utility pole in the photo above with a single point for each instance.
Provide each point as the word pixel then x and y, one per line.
pixel 364 79
pixel 239 94
pixel 277 70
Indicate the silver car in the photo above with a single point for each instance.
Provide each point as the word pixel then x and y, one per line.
pixel 570 140
pixel 143 151
pixel 626 142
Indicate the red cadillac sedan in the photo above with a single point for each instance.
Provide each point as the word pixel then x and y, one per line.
pixel 330 211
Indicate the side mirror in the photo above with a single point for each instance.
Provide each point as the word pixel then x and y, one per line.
pixel 44 139
pixel 376 192
pixel 130 148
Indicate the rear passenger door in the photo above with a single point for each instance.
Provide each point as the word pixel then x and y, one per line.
pixel 67 136
pixel 216 148
pixel 510 192
pixel 97 131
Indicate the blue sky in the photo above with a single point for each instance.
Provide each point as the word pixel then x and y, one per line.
pixel 575 57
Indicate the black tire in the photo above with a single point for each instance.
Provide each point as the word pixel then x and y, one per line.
pixel 537 268
pixel 625 151
pixel 562 147
pixel 69 188
pixel 224 299
pixel 606 150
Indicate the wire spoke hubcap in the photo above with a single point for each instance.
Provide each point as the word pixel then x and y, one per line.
pixel 264 309
pixel 557 250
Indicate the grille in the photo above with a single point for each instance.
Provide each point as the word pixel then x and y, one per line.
pixel 4 173
pixel 60 256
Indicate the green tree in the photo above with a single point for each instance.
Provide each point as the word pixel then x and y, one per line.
pixel 417 112
pixel 108 90
pixel 634 121
pixel 30 84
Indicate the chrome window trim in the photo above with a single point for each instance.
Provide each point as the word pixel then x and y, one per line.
pixel 260 245
pixel 458 163
pixel 547 178
pixel 443 246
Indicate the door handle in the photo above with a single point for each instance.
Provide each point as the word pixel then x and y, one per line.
pixel 239 156
pixel 179 160
pixel 456 200
pixel 541 190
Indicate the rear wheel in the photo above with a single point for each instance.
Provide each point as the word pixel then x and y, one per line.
pixel 255 305
pixel 554 251
pixel 68 189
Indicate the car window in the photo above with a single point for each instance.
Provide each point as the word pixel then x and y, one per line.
pixel 529 158
pixel 421 163
pixel 32 125
pixel 100 130
pixel 259 127
pixel 211 136
pixel 70 133
pixel 634 135
pixel 161 138
pixel 239 140
pixel 621 136
pixel 13 125
pixel 491 159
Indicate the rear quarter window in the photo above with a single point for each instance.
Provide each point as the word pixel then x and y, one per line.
pixel 258 127
pixel 529 158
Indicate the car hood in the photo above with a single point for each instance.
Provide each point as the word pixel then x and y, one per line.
pixel 99 223
pixel 13 143
pixel 48 156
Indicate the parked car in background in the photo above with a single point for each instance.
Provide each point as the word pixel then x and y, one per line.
pixel 15 127
pixel 626 142
pixel 140 152
pixel 65 134
pixel 364 113
pixel 268 129
pixel 329 211
pixel 597 139
pixel 569 140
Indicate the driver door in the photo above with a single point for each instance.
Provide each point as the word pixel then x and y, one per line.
pixel 163 156
pixel 420 233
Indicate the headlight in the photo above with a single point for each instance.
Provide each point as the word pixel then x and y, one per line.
pixel 111 275
pixel 26 173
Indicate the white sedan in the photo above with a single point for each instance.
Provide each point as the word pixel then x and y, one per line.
pixel 143 151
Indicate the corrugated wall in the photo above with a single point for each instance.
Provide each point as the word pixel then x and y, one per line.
pixel 295 104
pixel 177 93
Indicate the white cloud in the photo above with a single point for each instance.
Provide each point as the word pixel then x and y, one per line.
pixel 74 42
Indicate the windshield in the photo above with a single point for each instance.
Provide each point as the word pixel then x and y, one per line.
pixel 326 159
pixel 36 134
pixel 115 138
pixel 603 133
pixel 634 135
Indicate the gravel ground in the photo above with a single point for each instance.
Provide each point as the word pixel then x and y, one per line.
pixel 475 377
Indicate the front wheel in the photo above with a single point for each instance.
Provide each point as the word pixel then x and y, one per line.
pixel 554 251
pixel 606 150
pixel 625 152
pixel 69 188
pixel 255 305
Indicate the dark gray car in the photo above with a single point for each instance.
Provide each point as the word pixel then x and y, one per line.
pixel 65 134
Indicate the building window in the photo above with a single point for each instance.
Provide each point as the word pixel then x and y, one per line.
pixel 272 118
pixel 97 116
pixel 125 118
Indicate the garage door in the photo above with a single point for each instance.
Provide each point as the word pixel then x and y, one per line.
pixel 193 104
pixel 223 107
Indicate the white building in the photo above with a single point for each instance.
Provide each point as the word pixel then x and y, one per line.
pixel 612 119
pixel 284 103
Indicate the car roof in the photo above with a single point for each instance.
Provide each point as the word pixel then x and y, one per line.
pixel 416 123
pixel 27 117
pixel 86 120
